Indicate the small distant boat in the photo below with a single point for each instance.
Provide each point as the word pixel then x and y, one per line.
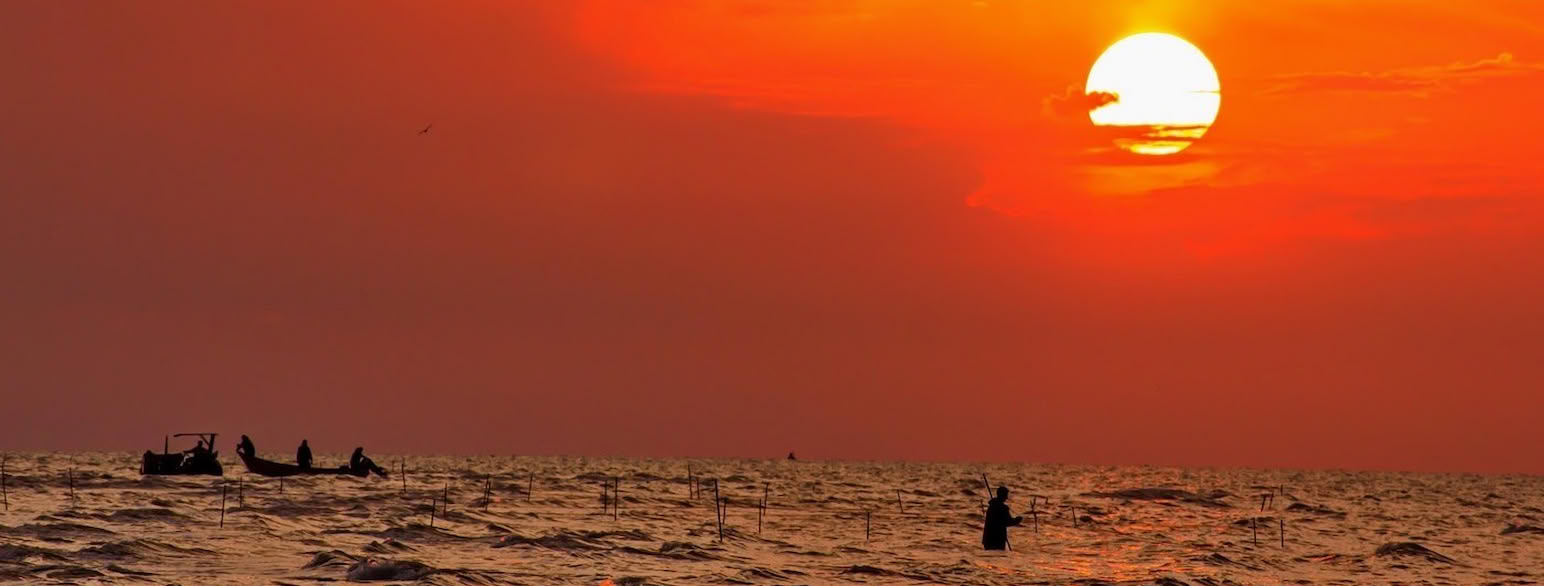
pixel 791 456
pixel 199 460
pixel 273 469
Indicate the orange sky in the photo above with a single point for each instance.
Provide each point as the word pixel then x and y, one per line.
pixel 857 229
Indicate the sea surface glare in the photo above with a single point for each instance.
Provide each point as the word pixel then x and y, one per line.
pixel 824 523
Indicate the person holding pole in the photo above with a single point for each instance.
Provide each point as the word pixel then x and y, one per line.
pixel 998 520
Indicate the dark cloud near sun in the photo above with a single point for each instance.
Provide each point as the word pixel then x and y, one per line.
pixel 1409 80
pixel 1074 102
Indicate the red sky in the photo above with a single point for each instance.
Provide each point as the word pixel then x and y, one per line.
pixel 853 229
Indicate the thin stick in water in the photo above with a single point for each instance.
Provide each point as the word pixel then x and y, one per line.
pixel 223 486
pixel 1282 528
pixel 530 488
pixel 433 504
pixel 616 496
pixel 72 486
pixel 1035 514
pixel 1256 530
pixel 718 510
pixel 898 502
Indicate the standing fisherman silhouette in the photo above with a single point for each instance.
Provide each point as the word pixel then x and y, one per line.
pixel 998 520
pixel 303 455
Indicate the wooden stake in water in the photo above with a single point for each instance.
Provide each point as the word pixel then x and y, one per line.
pixel 1074 516
pixel 530 488
pixel 898 502
pixel 223 486
pixel 1256 530
pixel 691 483
pixel 432 506
pixel 402 466
pixel 1035 514
pixel 718 510
pixel 616 497
pixel 1281 525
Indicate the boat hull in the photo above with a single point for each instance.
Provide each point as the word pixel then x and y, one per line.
pixel 273 469
pixel 181 464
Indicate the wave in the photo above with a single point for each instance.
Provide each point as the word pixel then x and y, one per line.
pixel 1165 494
pixel 136 515
pixel 59 531
pixel 143 548
pixel 1513 529
pixel 1313 510
pixel 1411 549
pixel 573 540
pixel 675 550
pixel 16 554
pixel 370 570
pixel 867 570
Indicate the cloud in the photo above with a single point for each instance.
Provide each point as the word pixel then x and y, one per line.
pixel 1409 80
pixel 1073 103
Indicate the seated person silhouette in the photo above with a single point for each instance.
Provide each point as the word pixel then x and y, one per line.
pixel 245 447
pixel 198 450
pixel 362 465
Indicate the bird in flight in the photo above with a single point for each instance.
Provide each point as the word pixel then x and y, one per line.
pixel 425 130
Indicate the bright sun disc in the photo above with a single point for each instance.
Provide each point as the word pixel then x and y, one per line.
pixel 1166 91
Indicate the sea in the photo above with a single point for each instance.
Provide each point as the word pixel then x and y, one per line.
pixel 91 518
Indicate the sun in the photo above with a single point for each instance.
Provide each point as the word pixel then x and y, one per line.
pixel 1166 93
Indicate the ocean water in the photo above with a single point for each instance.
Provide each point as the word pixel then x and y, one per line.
pixel 824 523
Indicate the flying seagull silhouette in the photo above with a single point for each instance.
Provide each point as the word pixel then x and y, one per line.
pixel 426 129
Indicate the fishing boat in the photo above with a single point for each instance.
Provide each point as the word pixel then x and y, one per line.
pixel 273 469
pixel 202 459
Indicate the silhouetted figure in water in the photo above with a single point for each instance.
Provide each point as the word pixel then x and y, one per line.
pixel 245 447
pixel 363 465
pixel 790 456
pixel 998 520
pixel 198 451
pixel 303 455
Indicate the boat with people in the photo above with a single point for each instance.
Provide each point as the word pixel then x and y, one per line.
pixel 274 469
pixel 203 458
pixel 359 465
